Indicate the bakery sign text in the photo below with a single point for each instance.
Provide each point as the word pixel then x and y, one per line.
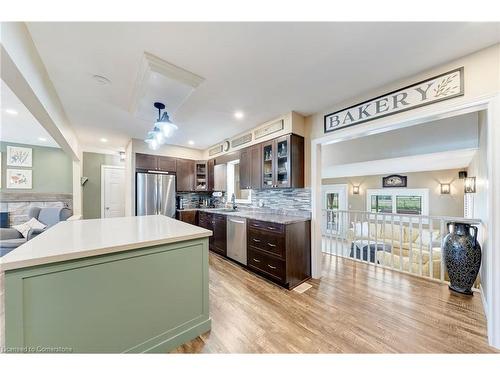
pixel 442 87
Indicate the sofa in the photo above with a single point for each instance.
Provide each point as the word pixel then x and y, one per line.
pixel 11 238
pixel 401 240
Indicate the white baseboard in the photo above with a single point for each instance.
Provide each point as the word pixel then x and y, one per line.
pixel 486 313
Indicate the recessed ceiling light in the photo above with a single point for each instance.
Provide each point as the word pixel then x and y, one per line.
pixel 12 112
pixel 103 140
pixel 101 80
pixel 238 114
pixel 42 139
pixel 191 142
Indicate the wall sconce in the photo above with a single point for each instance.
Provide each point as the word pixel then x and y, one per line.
pixel 355 189
pixel 445 188
pixel 470 185
pixel 462 175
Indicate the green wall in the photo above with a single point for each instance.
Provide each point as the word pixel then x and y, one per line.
pixel 52 170
pixel 91 195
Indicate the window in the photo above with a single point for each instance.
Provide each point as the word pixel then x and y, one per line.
pixel 332 201
pixel 381 203
pixel 409 204
pixel 233 184
pixel 398 201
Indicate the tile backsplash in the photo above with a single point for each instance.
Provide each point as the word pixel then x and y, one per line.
pixel 283 199
pixel 276 199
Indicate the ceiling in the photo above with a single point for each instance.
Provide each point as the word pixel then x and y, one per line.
pixel 18 124
pixel 261 69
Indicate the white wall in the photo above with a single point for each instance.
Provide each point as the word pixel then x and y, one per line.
pixel 478 168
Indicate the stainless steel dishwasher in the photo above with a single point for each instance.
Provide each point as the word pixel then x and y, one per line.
pixel 237 239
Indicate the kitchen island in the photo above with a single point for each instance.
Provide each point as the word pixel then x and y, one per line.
pixel 129 284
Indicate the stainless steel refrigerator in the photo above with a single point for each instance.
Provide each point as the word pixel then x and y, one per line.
pixel 155 194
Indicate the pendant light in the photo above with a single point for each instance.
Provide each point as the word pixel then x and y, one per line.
pixel 163 128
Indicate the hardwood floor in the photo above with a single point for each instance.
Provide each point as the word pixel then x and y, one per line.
pixel 354 308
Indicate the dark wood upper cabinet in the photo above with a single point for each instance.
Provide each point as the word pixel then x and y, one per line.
pixel 145 161
pixel 185 175
pixel 256 167
pixel 283 162
pixel 166 164
pixel 250 167
pixel 210 174
pixel 245 168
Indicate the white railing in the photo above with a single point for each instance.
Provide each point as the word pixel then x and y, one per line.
pixel 407 243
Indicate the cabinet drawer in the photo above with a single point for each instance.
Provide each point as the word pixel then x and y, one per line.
pixel 264 225
pixel 267 264
pixel 268 241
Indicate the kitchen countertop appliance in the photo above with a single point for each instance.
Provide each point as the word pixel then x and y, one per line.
pixel 237 239
pixel 155 194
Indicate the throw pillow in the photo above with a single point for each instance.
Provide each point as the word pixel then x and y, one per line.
pixel 30 224
pixel 426 238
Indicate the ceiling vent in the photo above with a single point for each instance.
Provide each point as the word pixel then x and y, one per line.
pixel 159 80
pixel 215 150
pixel 269 129
pixel 241 140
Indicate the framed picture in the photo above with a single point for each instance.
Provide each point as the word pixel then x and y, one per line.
pixel 19 179
pixel 394 180
pixel 19 156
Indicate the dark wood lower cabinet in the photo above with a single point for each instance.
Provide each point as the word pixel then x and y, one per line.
pixel 280 252
pixel 220 241
pixel 188 216
pixel 217 224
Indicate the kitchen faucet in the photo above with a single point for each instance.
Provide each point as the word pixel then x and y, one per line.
pixel 233 201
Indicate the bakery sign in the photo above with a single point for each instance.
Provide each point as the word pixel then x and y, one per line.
pixel 442 87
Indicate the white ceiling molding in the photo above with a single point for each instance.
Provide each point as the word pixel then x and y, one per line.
pixel 415 163
pixel 178 84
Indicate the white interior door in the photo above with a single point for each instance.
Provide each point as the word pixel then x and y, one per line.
pixel 112 191
pixel 334 197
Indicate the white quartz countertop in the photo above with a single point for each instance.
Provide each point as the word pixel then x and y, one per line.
pixel 70 240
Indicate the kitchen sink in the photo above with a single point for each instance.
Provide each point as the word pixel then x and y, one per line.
pixel 223 210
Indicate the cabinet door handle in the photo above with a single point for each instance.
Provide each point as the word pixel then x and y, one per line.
pixel 255 240
pixel 272 245
pixel 256 260
pixel 272 228
pixel 271 267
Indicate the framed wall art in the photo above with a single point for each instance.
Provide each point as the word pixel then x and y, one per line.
pixel 394 180
pixel 19 156
pixel 19 179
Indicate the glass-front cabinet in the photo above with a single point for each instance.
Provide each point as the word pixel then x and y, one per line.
pixel 276 163
pixel 268 165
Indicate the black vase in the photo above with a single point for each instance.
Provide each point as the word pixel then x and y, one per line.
pixel 462 257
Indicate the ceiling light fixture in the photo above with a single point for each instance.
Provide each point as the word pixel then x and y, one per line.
pixel 163 128
pixel 103 140
pixel 239 115
pixel 191 142
pixel 10 111
pixel 42 139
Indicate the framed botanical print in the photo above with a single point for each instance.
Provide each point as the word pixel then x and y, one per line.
pixel 19 179
pixel 19 156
